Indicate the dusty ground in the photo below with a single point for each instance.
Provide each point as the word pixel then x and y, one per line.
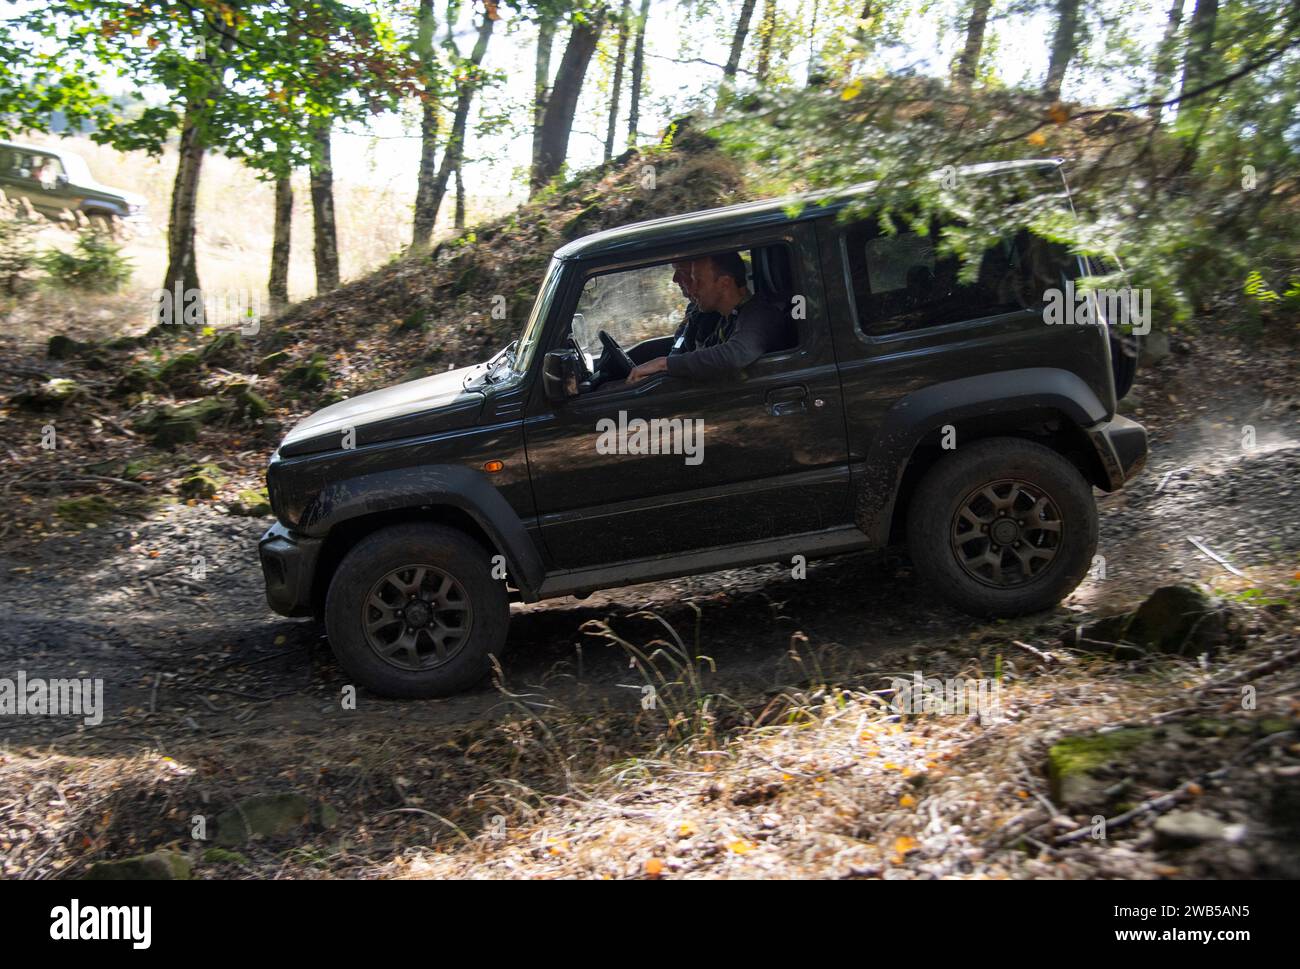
pixel 210 696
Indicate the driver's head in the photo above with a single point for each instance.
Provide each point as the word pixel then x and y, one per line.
pixel 719 282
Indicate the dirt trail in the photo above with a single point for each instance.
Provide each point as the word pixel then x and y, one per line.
pixel 193 659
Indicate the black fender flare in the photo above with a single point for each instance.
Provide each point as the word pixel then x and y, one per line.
pixel 911 418
pixel 432 486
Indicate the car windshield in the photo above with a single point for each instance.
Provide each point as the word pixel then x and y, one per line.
pixel 532 334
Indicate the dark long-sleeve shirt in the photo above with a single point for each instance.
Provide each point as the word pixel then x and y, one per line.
pixel 751 330
pixel 696 328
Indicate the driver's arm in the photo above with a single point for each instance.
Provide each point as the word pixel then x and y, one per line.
pixel 648 369
pixel 758 330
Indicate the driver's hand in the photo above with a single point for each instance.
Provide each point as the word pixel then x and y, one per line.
pixel 648 369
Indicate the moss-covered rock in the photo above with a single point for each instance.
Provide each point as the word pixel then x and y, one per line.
pixel 87 510
pixel 251 504
pixel 247 403
pixel 181 372
pixel 202 481
pixel 208 410
pixel 272 816
pixel 156 866
pixel 1081 768
pixel 1183 620
pixel 1174 619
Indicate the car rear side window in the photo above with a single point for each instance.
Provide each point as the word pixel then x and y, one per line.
pixel 899 282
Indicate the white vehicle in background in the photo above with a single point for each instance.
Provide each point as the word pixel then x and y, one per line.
pixel 57 183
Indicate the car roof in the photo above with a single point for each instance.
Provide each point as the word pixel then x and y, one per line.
pixel 750 215
pixel 36 149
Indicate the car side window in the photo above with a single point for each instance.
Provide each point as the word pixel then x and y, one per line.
pixel 900 283
pixel 632 306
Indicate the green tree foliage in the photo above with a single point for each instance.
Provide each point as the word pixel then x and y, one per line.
pixel 1190 206
pixel 95 264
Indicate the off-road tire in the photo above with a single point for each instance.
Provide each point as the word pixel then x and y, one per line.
pixel 956 482
pixel 398 550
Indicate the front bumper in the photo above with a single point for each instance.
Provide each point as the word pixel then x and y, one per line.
pixel 289 568
pixel 1122 447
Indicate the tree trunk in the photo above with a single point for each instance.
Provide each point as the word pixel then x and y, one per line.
pixel 1064 45
pixel 425 212
pixel 557 122
pixel 182 270
pixel 322 210
pixel 182 267
pixel 766 34
pixel 638 72
pixel 617 90
pixel 541 86
pixel 737 48
pixel 1197 65
pixel 455 150
pixel 968 64
pixel 1165 59
pixel 460 198
pixel 278 287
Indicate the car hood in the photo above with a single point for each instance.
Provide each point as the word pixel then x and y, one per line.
pixel 429 405
pixel 98 188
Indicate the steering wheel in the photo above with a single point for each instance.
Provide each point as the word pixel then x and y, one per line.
pixel 619 364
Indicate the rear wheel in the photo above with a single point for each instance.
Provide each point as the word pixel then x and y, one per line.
pixel 1003 527
pixel 413 611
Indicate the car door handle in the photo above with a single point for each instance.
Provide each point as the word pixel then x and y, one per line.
pixel 784 401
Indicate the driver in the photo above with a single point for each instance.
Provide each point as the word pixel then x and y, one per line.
pixel 697 325
pixel 748 329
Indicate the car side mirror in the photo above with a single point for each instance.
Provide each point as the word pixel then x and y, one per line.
pixel 560 374
pixel 61 181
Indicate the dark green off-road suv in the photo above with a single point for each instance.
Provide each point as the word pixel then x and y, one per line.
pixel 58 183
pixel 906 404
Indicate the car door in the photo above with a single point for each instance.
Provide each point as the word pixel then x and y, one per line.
pixel 770 454
pixel 911 323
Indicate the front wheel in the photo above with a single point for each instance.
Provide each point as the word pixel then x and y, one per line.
pixel 413 611
pixel 1003 527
